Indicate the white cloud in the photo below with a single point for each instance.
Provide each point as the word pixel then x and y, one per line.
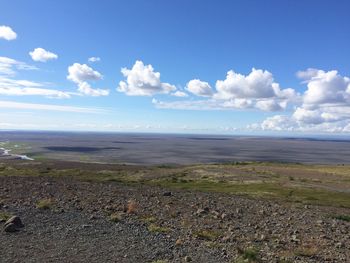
pixel 17 87
pixel 42 55
pixel 255 91
pixel 258 84
pixel 94 59
pixel 179 93
pixel 7 33
pixel 199 88
pixel 270 105
pixel 9 66
pixel 81 74
pixel 11 87
pixel 49 107
pixel 277 123
pixel 142 80
pixel 325 88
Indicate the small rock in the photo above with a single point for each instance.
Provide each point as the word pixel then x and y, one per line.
pixel 179 242
pixel 295 239
pixel 201 211
pixel 319 222
pixel 223 216
pixel 167 194
pixel 339 245
pixel 10 228
pixel 16 221
pixel 188 259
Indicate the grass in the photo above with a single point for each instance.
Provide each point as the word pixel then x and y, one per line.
pixel 247 255
pixel 115 217
pixel 148 219
pixel 5 216
pixel 44 204
pixel 157 229
pixel 345 218
pixel 267 190
pixel 306 251
pixel 209 235
pixel 131 207
pixel 284 187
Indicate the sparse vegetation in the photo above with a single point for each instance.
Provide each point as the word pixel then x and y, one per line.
pixel 4 216
pixel 116 217
pixel 248 255
pixel 210 235
pixel 157 229
pixel 345 218
pixel 131 207
pixel 44 204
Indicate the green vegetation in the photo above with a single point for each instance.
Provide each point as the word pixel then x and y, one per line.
pixel 305 184
pixel 157 229
pixel 248 255
pixel 5 216
pixel 345 218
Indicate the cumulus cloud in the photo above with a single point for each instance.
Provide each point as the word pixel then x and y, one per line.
pixel 199 88
pixel 325 88
pixel 142 80
pixel 94 59
pixel 255 91
pixel 42 55
pixel 7 33
pixel 257 84
pixel 81 74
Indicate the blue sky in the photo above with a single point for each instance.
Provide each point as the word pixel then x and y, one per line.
pixel 299 51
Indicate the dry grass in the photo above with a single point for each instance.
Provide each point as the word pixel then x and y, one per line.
pixel 44 203
pixel 131 207
pixel 116 217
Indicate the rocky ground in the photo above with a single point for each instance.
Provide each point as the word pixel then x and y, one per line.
pixel 69 220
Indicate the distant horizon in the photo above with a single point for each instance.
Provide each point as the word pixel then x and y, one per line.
pixel 324 136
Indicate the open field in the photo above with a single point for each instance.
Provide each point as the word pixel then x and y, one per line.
pixel 233 212
pixel 159 149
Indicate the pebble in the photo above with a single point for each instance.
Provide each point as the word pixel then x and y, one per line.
pixel 188 259
pixel 167 194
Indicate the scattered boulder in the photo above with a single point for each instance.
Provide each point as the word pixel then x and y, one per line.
pixel 167 194
pixel 11 227
pixel 188 259
pixel 16 221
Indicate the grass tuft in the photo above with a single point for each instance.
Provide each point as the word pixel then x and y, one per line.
pixel 345 218
pixel 44 204
pixel 207 234
pixel 157 229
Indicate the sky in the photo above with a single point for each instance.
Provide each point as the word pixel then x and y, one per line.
pixel 231 67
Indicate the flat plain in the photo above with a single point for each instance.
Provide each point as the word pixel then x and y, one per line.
pixel 81 202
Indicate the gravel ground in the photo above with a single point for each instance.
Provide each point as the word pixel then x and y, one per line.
pixel 153 224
